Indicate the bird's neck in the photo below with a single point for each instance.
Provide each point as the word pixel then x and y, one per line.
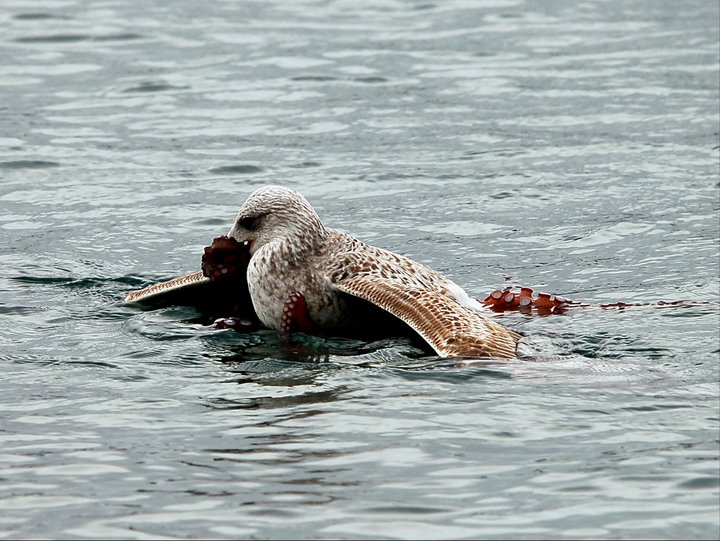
pixel 298 248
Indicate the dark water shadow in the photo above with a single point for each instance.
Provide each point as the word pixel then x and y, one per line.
pixel 75 38
pixel 240 169
pixel 314 78
pixel 275 402
pixel 458 370
pixel 28 164
pixel 37 16
pixel 148 87
pixel 109 291
pixel 54 38
pixel 122 36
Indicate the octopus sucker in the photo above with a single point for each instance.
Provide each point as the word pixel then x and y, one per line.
pixel 546 304
pixel 295 315
pixel 219 288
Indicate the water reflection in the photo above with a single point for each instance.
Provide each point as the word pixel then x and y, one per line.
pixel 270 401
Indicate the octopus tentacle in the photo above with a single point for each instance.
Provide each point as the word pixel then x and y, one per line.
pixel 295 315
pixel 225 263
pixel 523 301
pixel 235 323
pixel 545 304
pixel 226 258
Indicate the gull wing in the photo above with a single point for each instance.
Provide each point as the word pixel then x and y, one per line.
pixel 221 298
pixel 450 328
pixel 169 291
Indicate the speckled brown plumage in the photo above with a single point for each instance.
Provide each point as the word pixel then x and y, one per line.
pixel 293 251
pixel 450 328
pixel 345 283
pixel 164 288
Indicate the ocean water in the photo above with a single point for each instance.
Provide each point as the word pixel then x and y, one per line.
pixel 569 146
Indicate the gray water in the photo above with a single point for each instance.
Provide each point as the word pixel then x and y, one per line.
pixel 568 146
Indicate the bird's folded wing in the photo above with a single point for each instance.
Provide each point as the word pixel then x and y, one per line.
pixel 167 290
pixel 451 329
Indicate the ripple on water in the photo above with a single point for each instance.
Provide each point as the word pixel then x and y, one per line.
pixel 568 146
pixel 242 169
pixel 28 164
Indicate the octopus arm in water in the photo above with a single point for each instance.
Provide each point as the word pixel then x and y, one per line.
pixel 545 304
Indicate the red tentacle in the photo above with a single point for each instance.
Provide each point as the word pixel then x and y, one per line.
pixel 295 315
pixel 546 304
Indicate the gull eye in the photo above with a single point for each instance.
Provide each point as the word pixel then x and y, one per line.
pixel 249 222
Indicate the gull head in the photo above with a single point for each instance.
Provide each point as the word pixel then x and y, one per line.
pixel 276 213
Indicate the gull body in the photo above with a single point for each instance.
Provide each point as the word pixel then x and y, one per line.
pixel 342 277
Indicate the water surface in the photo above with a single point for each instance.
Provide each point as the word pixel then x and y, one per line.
pixel 572 147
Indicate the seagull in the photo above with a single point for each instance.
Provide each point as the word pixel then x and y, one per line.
pixel 302 275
